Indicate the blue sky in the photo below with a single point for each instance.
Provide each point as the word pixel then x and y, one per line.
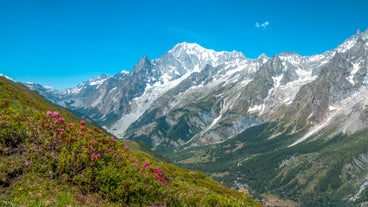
pixel 60 43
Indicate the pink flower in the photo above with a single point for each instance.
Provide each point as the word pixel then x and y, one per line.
pixel 83 128
pixel 55 113
pixel 62 131
pixel 161 179
pixel 126 148
pixel 92 142
pixel 60 119
pixel 82 122
pixel 112 139
pixel 134 164
pixel 70 125
pixel 158 172
pixel 146 164
pixel 49 113
pixel 95 156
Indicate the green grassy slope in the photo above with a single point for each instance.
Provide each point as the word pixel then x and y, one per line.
pixel 50 158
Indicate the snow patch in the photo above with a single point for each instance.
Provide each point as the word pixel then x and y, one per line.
pixel 304 74
pixel 98 82
pixel 256 108
pixel 353 72
pixel 287 101
pixel 124 72
pixel 332 108
pixel 75 90
pixel 277 80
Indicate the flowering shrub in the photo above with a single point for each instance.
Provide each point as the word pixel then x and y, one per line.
pixel 56 151
pixel 160 176
pixel 99 163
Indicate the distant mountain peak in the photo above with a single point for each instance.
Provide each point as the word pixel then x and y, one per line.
pixel 5 76
pixel 194 48
pixel 359 37
pixel 124 72
pixel 194 51
pixel 98 80
pixel 188 45
pixel 185 48
pixel 363 35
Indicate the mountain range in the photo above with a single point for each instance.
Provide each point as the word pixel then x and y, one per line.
pixel 288 125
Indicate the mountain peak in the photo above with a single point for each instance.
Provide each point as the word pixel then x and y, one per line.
pixel 188 48
pixel 363 35
pixel 349 43
pixel 187 45
pixel 144 60
pixel 205 56
pixel 143 64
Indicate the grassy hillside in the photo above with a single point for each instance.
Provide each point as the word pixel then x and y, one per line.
pixel 50 158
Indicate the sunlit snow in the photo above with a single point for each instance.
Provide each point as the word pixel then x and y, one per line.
pixel 353 72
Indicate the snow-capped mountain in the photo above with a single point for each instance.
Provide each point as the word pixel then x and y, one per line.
pixel 93 83
pixel 200 107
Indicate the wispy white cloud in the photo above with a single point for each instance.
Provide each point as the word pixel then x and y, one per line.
pixel 263 25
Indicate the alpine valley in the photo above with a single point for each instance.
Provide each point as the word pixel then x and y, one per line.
pixel 288 126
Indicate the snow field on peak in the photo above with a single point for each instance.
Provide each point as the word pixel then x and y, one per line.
pixel 205 56
pixel 98 81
